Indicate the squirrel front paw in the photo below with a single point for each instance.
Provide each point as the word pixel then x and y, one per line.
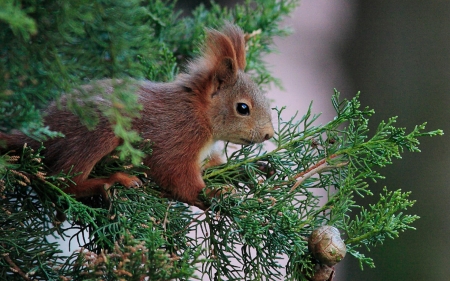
pixel 126 180
pixel 132 182
pixel 220 191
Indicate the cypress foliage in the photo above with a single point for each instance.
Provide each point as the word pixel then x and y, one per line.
pixel 48 48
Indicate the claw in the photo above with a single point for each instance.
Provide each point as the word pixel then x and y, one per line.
pixel 126 180
pixel 133 182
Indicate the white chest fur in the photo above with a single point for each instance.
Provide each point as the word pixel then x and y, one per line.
pixel 207 151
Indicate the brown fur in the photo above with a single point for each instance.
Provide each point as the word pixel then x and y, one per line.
pixel 183 119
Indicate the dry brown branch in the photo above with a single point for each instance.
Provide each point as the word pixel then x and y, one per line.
pixel 15 268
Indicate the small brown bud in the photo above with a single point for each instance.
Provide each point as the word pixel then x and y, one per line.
pixel 273 201
pixel 21 183
pixel 314 143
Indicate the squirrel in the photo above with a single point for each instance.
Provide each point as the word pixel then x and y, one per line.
pixel 213 100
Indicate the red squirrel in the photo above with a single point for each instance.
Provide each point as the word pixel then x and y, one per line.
pixel 214 100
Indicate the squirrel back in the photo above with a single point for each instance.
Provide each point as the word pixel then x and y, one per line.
pixel 214 100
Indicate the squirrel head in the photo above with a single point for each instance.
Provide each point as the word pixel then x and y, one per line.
pixel 237 110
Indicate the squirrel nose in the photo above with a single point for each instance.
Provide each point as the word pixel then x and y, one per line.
pixel 269 134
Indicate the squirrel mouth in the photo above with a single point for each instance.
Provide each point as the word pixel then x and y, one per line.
pixel 246 141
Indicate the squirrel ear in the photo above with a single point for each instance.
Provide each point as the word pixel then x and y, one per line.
pixel 226 72
pixel 222 57
pixel 236 36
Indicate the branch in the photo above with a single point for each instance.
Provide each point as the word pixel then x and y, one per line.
pixel 14 267
pixel 319 167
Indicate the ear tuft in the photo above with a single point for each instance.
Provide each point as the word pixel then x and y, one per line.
pixel 222 56
pixel 236 36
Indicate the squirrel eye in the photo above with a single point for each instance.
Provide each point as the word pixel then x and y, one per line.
pixel 243 109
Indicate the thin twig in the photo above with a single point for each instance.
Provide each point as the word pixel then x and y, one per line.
pixel 165 217
pixel 314 166
pixel 15 268
pixel 317 168
pixel 192 221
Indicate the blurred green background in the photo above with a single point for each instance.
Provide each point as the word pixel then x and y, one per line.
pixel 398 55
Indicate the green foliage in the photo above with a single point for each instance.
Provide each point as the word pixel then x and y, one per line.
pixel 312 176
pixel 279 206
pixel 309 179
pixel 380 221
pixel 17 19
